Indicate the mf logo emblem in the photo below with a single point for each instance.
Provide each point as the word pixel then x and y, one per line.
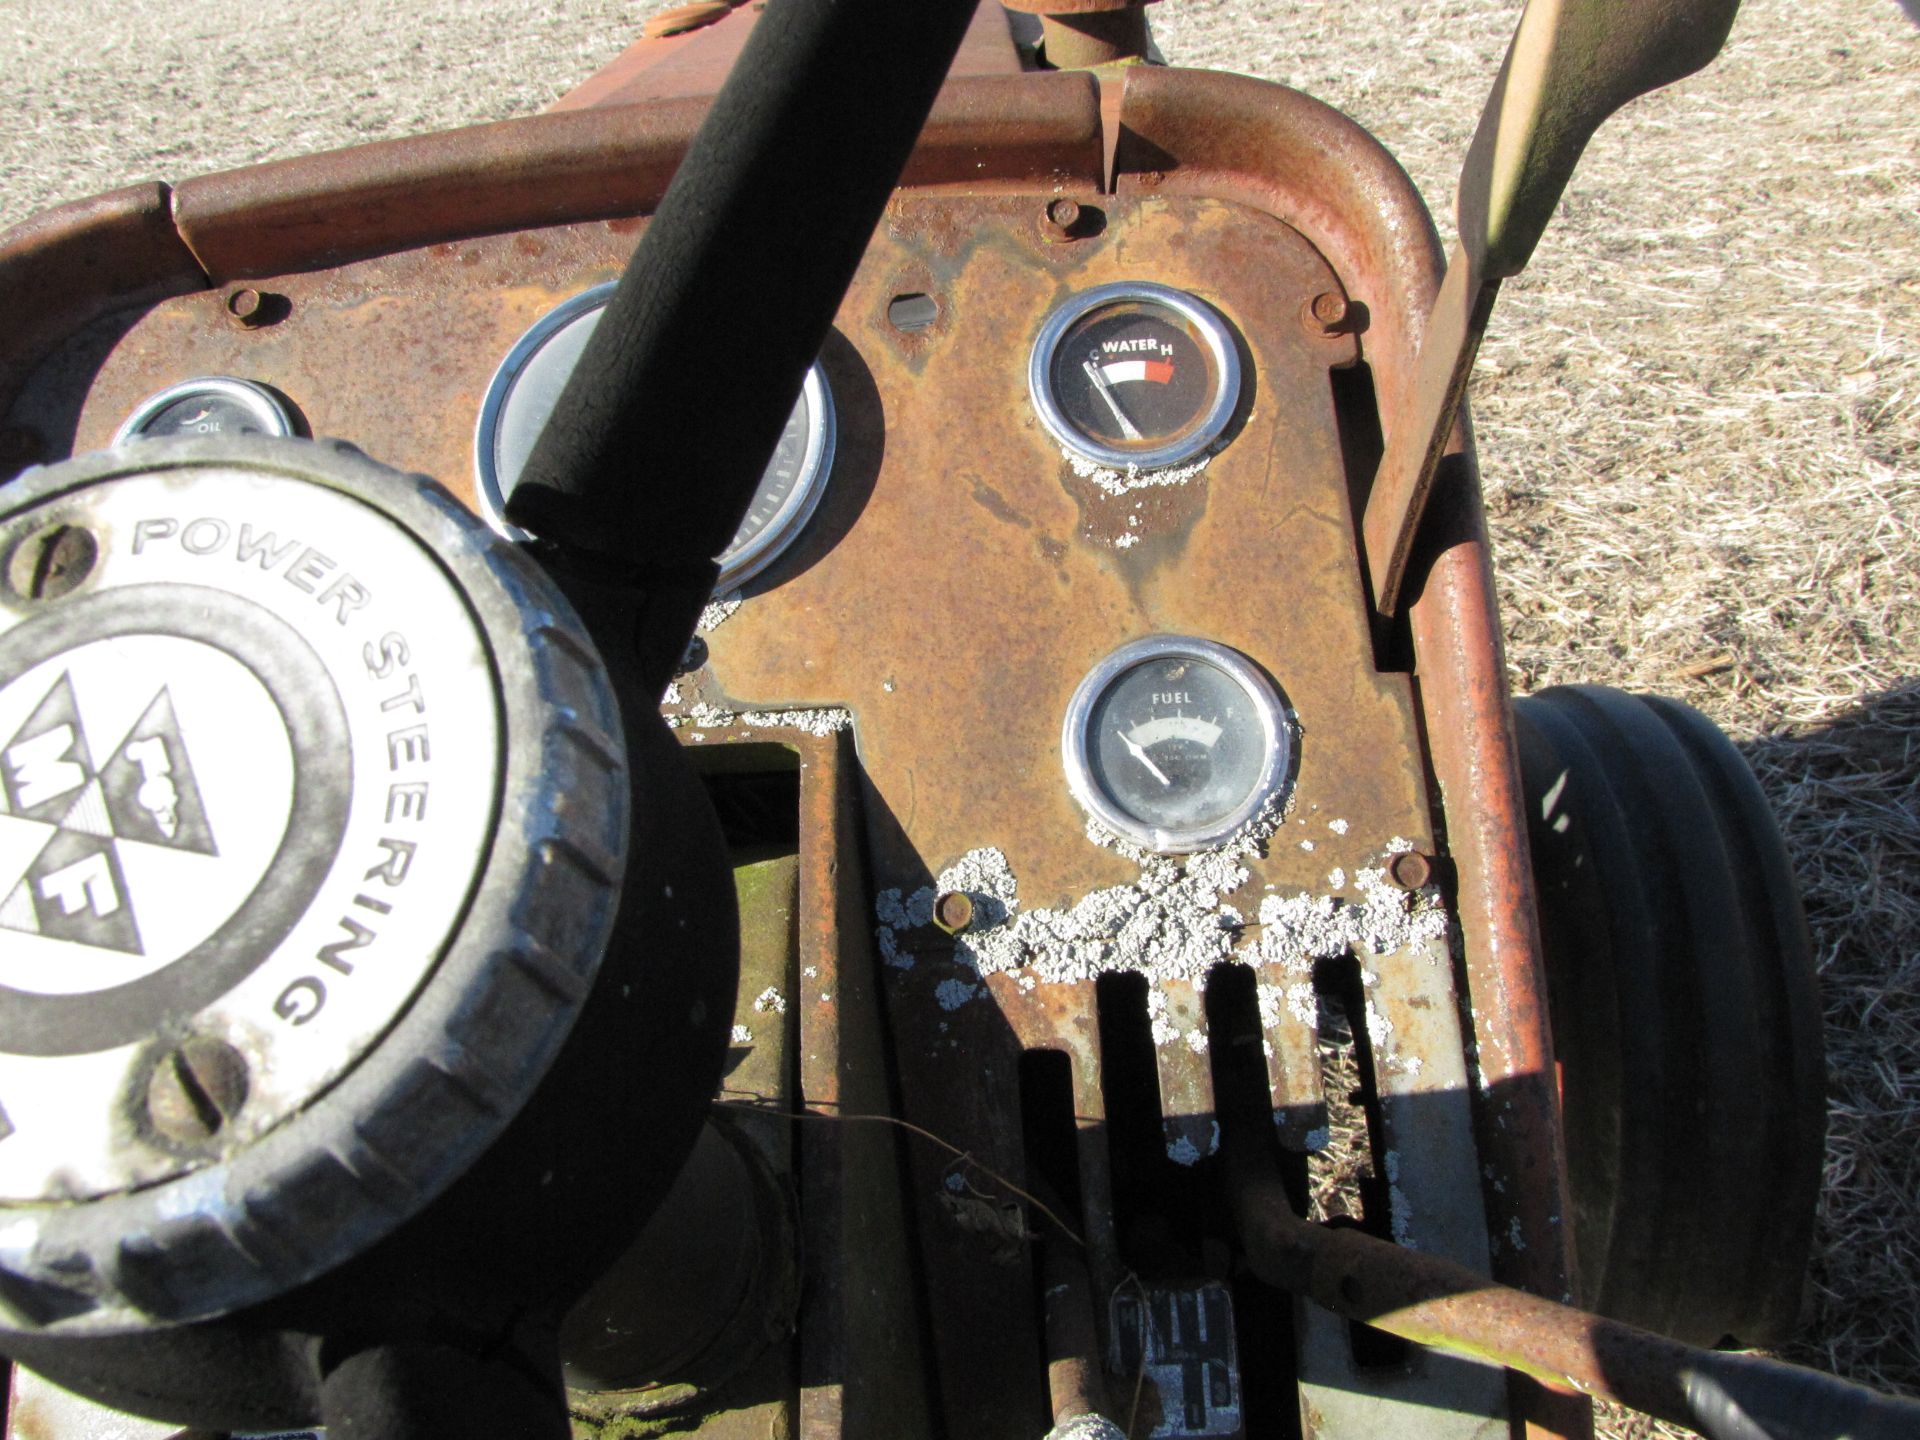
pixel 140 791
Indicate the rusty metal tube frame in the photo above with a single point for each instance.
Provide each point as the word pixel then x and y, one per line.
pixel 1437 1303
pixel 1076 1384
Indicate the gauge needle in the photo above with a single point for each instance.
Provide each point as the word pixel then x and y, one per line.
pixel 1142 756
pixel 1126 426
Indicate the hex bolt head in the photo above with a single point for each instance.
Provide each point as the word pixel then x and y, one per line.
pixel 51 562
pixel 1060 218
pixel 196 1089
pixel 953 911
pixel 1410 869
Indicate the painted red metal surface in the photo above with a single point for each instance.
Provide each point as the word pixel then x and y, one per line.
pixel 692 64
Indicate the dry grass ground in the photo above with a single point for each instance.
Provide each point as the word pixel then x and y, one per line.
pixel 1698 411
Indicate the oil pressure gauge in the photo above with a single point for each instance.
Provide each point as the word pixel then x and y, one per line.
pixel 1176 742
pixel 529 381
pixel 1135 374
pixel 209 405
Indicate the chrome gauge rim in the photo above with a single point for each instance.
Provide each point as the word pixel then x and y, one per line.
pixel 1268 716
pixel 491 486
pixel 494 475
pixel 1206 327
pixel 741 562
pixel 261 404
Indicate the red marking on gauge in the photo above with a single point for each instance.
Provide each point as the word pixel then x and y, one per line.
pixel 1160 372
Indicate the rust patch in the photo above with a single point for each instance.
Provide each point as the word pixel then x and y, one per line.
pixel 995 504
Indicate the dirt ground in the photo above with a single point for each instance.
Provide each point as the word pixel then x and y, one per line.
pixel 1698 411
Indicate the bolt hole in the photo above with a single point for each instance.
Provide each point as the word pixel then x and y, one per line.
pixel 912 312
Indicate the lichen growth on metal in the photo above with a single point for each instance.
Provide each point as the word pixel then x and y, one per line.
pixel 717 612
pixel 1173 922
pixel 821 721
pixel 770 1002
pixel 1182 1151
pixel 952 994
pixel 817 722
pixel 1117 482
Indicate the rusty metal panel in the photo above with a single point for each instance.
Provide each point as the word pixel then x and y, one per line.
pixel 1301 159
pixel 961 577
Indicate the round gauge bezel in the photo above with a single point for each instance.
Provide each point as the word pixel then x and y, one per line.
pixel 1276 734
pixel 736 566
pixel 275 416
pixel 1211 327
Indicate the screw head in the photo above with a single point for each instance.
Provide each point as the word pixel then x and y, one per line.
pixel 51 562
pixel 196 1089
pixel 953 911
pixel 1410 869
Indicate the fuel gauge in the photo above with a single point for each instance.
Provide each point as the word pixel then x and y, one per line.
pixel 1135 374
pixel 1175 742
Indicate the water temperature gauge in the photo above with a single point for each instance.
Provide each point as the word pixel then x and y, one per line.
pixel 1135 374
pixel 1176 742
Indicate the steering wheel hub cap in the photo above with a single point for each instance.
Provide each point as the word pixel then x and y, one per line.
pixel 263 705
pixel 247 775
